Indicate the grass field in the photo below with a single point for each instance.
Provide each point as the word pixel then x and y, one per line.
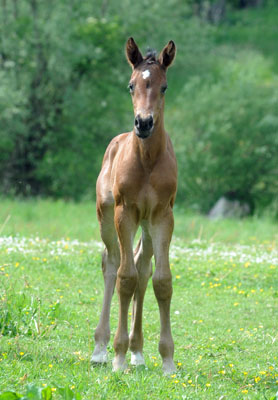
pixel 224 308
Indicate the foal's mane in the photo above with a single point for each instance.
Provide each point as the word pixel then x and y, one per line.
pixel 150 57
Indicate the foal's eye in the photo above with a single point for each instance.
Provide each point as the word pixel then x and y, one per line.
pixel 131 87
pixel 163 89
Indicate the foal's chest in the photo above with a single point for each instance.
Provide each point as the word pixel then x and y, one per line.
pixel 146 189
pixel 143 184
pixel 147 200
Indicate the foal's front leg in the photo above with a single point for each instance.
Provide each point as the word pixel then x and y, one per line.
pixel 110 265
pixel 127 276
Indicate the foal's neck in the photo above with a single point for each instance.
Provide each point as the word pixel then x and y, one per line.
pixel 150 149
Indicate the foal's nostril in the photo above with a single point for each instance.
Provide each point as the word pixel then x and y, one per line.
pixel 137 122
pixel 150 122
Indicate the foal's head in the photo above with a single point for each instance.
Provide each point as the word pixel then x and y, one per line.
pixel 148 85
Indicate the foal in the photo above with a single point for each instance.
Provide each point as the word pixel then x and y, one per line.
pixel 137 186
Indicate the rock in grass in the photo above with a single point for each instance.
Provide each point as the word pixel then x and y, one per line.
pixel 225 208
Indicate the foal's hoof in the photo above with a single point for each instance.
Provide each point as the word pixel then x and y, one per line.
pixel 99 357
pixel 137 359
pixel 168 367
pixel 119 364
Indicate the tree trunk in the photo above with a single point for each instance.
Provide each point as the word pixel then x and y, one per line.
pixel 104 6
pixel 217 11
pixel 211 11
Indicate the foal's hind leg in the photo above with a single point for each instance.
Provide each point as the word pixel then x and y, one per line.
pixel 110 265
pixel 161 233
pixel 143 265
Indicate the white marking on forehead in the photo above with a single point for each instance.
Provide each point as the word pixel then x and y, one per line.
pixel 146 74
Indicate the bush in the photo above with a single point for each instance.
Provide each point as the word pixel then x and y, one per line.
pixel 63 78
pixel 226 133
pixel 93 101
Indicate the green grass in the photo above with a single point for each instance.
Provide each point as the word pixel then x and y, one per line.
pixel 224 308
pixel 56 220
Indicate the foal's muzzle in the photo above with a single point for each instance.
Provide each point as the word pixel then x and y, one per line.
pixel 143 126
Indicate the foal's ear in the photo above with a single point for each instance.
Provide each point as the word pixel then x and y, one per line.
pixel 167 55
pixel 133 55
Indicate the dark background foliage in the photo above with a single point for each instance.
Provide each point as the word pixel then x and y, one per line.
pixel 63 79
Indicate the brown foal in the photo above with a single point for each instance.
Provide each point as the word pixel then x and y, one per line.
pixel 137 186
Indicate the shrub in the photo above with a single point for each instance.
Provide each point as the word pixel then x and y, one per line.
pixel 226 133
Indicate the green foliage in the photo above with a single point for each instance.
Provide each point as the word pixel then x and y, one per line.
pixel 34 392
pixel 9 396
pixel 54 98
pixel 63 79
pixel 73 156
pixel 23 316
pixel 67 394
pixel 231 138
